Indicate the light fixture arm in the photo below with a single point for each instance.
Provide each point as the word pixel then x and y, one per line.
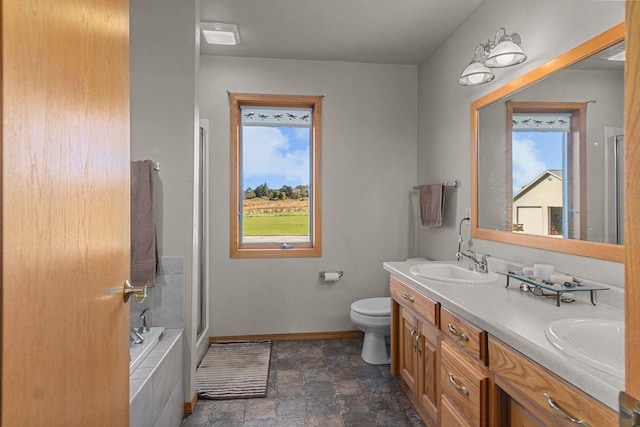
pixel 481 57
pixel 504 33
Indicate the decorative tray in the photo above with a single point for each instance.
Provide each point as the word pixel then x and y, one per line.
pixel 577 286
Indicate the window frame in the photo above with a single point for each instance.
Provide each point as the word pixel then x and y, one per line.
pixel 576 194
pixel 312 249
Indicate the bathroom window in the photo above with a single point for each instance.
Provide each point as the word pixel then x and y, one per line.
pixel 275 176
pixel 547 171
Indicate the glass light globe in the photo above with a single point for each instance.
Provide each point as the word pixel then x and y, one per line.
pixel 506 53
pixel 475 73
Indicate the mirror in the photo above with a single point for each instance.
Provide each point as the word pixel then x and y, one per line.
pixel 548 155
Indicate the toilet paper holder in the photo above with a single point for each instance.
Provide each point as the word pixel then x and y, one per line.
pixel 322 273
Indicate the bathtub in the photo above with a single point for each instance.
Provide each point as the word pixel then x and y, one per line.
pixel 155 380
pixel 138 352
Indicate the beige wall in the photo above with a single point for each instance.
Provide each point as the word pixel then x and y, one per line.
pixel 443 106
pixel 368 169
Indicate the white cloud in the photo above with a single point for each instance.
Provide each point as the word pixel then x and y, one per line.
pixel 526 165
pixel 301 133
pixel 267 152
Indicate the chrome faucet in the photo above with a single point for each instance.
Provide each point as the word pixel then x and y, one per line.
pixel 471 255
pixel 134 337
pixel 144 328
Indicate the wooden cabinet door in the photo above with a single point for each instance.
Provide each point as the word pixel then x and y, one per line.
pixel 428 369
pixel 408 330
pixel 65 212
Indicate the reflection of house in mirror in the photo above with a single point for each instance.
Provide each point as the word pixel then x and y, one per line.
pixel 537 206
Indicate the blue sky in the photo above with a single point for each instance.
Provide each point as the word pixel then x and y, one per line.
pixel 275 155
pixel 533 153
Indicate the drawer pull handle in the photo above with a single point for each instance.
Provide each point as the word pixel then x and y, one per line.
pixel 554 406
pixel 416 343
pixel 453 331
pixel 407 297
pixel 457 386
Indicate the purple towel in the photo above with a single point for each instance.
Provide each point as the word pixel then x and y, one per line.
pixel 432 204
pixel 144 249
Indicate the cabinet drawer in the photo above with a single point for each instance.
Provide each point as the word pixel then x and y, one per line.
pixel 521 377
pixel 450 415
pixel 463 383
pixel 409 297
pixel 472 339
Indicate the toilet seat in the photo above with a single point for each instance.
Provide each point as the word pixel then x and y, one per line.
pixel 375 307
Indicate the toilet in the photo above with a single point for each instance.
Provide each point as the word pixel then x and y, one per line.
pixel 373 317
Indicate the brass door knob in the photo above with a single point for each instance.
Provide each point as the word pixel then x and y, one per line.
pixel 140 292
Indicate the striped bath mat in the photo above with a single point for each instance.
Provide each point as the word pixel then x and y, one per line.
pixel 234 370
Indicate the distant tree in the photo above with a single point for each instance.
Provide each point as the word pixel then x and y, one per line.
pixel 287 190
pixel 304 190
pixel 262 190
pixel 249 193
pixel 274 194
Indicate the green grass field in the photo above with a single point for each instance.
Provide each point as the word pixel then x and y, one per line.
pixel 277 225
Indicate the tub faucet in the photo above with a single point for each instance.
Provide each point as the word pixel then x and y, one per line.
pixel 134 337
pixel 477 265
pixel 144 328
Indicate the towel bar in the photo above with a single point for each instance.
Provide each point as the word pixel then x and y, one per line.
pixel 455 183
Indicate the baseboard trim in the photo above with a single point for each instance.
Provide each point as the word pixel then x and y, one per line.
pixel 189 407
pixel 290 337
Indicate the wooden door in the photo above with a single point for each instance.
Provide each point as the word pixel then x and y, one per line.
pixel 632 197
pixel 408 356
pixel 65 212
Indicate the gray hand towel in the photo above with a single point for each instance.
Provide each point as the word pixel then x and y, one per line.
pixel 432 204
pixel 144 250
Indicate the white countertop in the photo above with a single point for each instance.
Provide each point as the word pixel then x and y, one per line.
pixel 519 319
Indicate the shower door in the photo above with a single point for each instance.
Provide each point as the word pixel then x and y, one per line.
pixel 201 231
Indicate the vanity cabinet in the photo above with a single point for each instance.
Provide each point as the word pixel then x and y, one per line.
pixel 455 374
pixel 527 394
pixel 415 341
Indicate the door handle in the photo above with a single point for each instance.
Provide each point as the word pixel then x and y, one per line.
pixel 140 292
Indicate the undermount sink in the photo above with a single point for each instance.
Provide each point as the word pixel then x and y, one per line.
pixel 597 342
pixel 452 273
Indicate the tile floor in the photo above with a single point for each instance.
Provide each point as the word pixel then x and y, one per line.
pixel 316 383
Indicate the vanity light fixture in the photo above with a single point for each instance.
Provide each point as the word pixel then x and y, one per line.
pixel 220 33
pixel 476 72
pixel 503 51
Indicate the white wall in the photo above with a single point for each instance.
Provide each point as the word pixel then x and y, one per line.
pixel 548 28
pixel 164 61
pixel 368 168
